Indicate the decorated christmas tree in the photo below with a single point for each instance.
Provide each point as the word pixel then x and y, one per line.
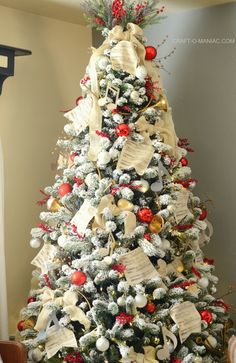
pixel 121 273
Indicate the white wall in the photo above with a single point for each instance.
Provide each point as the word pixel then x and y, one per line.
pixel 30 124
pixel 202 92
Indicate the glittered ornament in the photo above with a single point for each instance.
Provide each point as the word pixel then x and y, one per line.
pixel 206 316
pixel 203 214
pixel 124 318
pixel 78 278
pixel 31 299
pixel 140 301
pixel 150 307
pixel 142 185
pixel 184 161
pixel 122 130
pixel 151 52
pixel 125 205
pixel 53 204
pixel 35 242
pixel 21 325
pixel 145 215
pixel 30 323
pixel 156 224
pixel 102 344
pixel 64 189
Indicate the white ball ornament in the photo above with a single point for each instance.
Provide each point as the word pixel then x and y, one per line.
pixel 203 282
pixel 141 72
pixel 121 301
pixel 143 185
pixel 61 241
pixel 198 360
pixel 211 341
pixel 140 301
pixel 35 355
pixel 108 260
pixel 134 95
pixel 35 243
pixel 103 62
pixel 165 244
pixel 102 344
pixel 104 157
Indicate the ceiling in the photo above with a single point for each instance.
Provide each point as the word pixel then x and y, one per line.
pixel 68 10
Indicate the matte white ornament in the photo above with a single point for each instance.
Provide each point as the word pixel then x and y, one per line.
pixel 121 301
pixel 143 185
pixel 134 95
pixel 102 344
pixel 104 157
pixel 35 243
pixel 140 301
pixel 141 72
pixel 61 241
pixel 102 62
pixel 198 360
pixel 211 341
pixel 35 355
pixel 165 244
pixel 108 260
pixel 203 282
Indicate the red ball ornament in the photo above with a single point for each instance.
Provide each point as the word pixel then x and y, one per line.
pixel 206 316
pixel 21 325
pixel 184 161
pixel 73 156
pixel 31 299
pixel 78 278
pixel 78 100
pixel 150 307
pixel 151 52
pixel 64 189
pixel 203 215
pixel 123 130
pixel 145 215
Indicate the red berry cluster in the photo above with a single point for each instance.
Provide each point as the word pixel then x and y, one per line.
pixel 124 318
pixel 119 268
pixel 74 358
pixel 118 10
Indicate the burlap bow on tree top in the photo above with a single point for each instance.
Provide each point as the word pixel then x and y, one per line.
pixel 135 56
pixel 108 202
pixel 149 356
pixel 68 301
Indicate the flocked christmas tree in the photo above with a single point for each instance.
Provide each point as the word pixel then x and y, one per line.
pixel 121 273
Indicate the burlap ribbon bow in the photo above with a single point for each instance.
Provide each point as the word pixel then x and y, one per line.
pixel 108 202
pixel 68 301
pixel 148 356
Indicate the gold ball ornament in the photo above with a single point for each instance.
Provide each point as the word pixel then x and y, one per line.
pixel 30 323
pixel 143 185
pixel 125 205
pixel 41 347
pixel 156 224
pixel 53 205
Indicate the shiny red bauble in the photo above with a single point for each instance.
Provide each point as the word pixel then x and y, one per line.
pixel 21 325
pixel 78 100
pixel 203 215
pixel 73 156
pixel 123 130
pixel 145 215
pixel 206 316
pixel 64 189
pixel 31 299
pixel 151 52
pixel 184 161
pixel 150 307
pixel 78 278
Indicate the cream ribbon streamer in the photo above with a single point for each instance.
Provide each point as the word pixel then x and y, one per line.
pixel 108 202
pixel 68 301
pixel 131 35
pixel 148 356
